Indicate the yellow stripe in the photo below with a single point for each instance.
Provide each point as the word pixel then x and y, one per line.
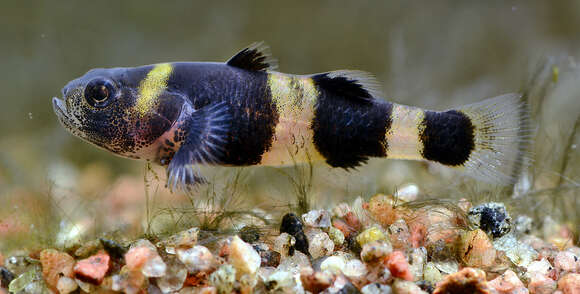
pixel 152 86
pixel 403 136
pixel 295 98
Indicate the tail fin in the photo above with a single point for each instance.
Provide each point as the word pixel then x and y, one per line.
pixel 502 134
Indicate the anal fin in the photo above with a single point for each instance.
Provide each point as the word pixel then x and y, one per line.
pixel 206 136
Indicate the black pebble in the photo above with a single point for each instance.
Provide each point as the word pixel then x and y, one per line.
pixel 492 218
pixel 114 249
pixel 6 277
pixel 292 225
pixel 250 234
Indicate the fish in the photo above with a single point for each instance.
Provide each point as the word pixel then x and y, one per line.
pixel 243 112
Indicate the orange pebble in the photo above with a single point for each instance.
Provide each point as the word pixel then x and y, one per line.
pixel 93 269
pixel 398 266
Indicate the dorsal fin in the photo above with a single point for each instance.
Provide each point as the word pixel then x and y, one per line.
pixel 351 84
pixel 256 57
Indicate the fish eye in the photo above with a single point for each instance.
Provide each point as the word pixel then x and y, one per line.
pixel 98 92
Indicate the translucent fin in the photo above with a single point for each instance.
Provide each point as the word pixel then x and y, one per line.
pixel 207 131
pixel 353 84
pixel 502 135
pixel 256 57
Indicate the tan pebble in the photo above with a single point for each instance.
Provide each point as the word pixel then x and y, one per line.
pixel 398 265
pixel 541 284
pixel 55 264
pixel 508 283
pixel 467 280
pixel 406 287
pixel 476 249
pixel 93 269
pixel 243 257
pixel 569 284
pixel 66 285
pixel 566 261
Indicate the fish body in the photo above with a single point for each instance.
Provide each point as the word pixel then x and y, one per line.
pixel 243 112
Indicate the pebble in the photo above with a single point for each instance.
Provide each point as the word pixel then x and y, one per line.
pixel 54 265
pixel 174 277
pixel 142 255
pixel 250 234
pixel 354 268
pixel 476 249
pixel 382 208
pixel 467 280
pixel 196 259
pixel 127 281
pixel 398 266
pixel 267 256
pixel 431 273
pixel 376 288
pixel 343 227
pixel 370 235
pixel 6 276
pixel 292 225
pixel 243 257
pixel 508 283
pixel 333 264
pixel 319 243
pixel 93 269
pixel 399 235
pixel 317 218
pixel 542 266
pixel 342 285
pixel 519 253
pixel 21 282
pixel 541 284
pixel 294 263
pixel 358 218
pixel 66 285
pixel 315 282
pixel 417 260
pixel 376 251
pixel 283 244
pixel 570 283
pixel 223 279
pixel 282 281
pixel 114 248
pixel 408 192
pixel 492 218
pixel 523 224
pixel 566 261
pixel 407 287
pixel 336 236
pixel 187 239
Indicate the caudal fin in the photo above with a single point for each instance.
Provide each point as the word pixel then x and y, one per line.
pixel 502 134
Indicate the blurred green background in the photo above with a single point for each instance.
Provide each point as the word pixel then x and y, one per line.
pixel 432 54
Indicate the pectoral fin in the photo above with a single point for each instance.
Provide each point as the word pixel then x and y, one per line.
pixel 205 139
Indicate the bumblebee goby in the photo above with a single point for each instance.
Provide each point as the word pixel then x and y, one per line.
pixel 243 112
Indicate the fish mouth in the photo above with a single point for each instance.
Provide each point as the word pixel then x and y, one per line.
pixel 59 107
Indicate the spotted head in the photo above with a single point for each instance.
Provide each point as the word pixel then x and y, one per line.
pixel 127 111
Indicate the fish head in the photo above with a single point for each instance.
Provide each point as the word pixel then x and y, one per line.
pixel 105 107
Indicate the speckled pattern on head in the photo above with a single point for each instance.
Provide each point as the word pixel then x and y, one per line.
pixel 242 112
